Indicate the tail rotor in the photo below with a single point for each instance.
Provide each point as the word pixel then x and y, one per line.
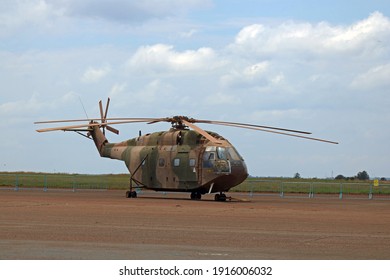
pixel 103 118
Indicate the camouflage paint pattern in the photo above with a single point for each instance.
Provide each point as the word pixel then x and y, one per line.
pixel 177 160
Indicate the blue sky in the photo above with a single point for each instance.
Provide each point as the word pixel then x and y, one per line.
pixel 321 66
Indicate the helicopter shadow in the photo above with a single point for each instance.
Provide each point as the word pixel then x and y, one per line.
pixel 170 198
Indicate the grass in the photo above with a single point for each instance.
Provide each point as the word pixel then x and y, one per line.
pixel 314 186
pixel 66 181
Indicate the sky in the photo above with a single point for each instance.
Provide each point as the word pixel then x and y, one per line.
pixel 318 66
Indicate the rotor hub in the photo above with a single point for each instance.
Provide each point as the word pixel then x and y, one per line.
pixel 177 121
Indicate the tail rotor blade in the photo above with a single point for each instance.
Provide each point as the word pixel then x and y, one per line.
pixel 105 113
pixel 101 111
pixel 103 117
pixel 113 130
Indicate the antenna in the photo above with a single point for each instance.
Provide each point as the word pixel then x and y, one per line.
pixel 83 107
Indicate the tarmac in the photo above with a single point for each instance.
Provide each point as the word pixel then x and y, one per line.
pixel 105 225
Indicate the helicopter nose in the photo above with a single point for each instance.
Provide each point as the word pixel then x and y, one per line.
pixel 227 180
pixel 239 171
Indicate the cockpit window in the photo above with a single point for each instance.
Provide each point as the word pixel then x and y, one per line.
pixel 233 154
pixel 221 152
pixel 211 148
pixel 209 156
pixel 213 152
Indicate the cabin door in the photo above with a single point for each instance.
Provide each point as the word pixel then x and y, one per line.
pixel 185 169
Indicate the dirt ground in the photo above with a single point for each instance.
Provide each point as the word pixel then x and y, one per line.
pixel 105 225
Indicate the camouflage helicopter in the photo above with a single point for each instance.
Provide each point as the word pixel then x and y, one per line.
pixel 185 158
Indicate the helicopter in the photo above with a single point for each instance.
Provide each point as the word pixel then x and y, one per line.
pixel 184 158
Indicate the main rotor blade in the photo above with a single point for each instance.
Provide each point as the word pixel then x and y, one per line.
pixel 65 127
pixel 60 121
pixel 295 135
pixel 201 131
pixel 250 126
pixel 107 119
pixel 88 125
pixel 268 129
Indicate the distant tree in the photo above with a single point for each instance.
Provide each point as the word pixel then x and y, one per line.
pixel 340 177
pixel 362 175
pixel 383 179
pixel 297 176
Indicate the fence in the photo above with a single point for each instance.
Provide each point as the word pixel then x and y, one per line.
pixel 282 188
pixel 62 181
pixel 313 189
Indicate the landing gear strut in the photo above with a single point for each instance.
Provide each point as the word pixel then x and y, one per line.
pixel 131 193
pixel 196 196
pixel 220 197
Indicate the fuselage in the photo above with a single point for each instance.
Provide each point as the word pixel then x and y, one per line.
pixel 179 160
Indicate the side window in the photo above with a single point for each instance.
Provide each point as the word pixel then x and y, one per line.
pixel 192 162
pixel 176 162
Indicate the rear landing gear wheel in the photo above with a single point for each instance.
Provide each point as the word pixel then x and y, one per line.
pixel 196 196
pixel 220 197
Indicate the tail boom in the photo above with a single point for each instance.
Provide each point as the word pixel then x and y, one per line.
pixel 98 137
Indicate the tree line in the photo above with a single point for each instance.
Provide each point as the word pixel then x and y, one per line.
pixel 361 175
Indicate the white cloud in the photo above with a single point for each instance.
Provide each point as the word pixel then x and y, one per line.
pixel 117 90
pixel 25 14
pixel 358 34
pixel 46 21
pixel 249 33
pixel 29 107
pixel 223 99
pixel 254 75
pixel 313 39
pixel 162 58
pixel 15 108
pixel 305 65
pixel 188 34
pixel 92 75
pixel 376 77
pixel 256 69
pixel 154 92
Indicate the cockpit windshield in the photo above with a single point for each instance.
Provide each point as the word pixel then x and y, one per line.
pixel 233 154
pixel 222 153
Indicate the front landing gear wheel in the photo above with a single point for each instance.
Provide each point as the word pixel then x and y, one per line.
pixel 131 194
pixel 196 196
pixel 220 197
